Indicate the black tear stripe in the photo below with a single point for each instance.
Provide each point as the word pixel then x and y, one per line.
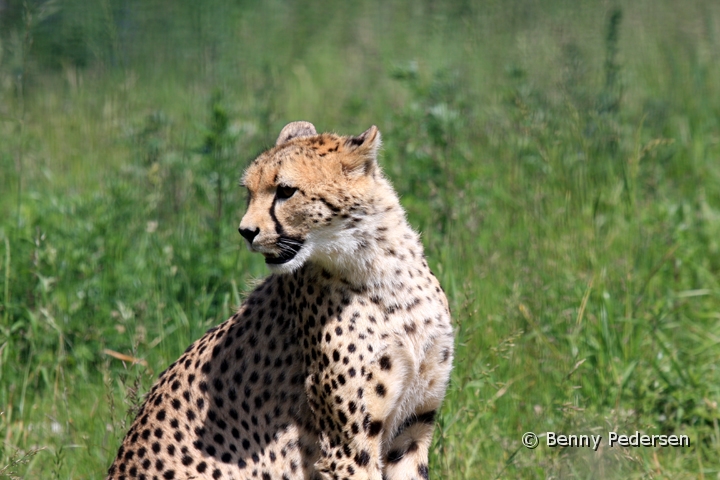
pixel 278 227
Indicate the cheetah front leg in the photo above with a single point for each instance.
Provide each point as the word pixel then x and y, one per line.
pixel 353 407
pixel 349 458
pixel 407 457
pixel 407 448
pixel 351 431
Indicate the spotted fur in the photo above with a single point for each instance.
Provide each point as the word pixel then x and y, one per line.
pixel 335 366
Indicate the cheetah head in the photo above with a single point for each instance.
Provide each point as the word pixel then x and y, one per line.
pixel 308 194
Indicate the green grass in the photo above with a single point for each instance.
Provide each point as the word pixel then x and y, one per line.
pixel 561 162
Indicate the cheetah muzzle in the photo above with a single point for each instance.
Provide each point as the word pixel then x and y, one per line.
pixel 334 366
pixel 289 247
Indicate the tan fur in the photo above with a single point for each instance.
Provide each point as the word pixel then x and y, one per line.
pixel 335 366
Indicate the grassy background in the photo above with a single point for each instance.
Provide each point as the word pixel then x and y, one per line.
pixel 561 158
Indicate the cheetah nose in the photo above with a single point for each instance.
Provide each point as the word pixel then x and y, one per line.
pixel 249 234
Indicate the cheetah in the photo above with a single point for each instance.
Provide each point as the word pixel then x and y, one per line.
pixel 336 364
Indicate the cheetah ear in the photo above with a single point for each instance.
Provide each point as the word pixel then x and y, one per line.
pixel 363 149
pixel 295 130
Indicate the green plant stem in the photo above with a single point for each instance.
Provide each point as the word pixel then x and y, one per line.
pixel 21 89
pixel 6 298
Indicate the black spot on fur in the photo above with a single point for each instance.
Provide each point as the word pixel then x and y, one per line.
pixel 395 456
pixel 329 205
pixel 375 428
pixel 380 389
pixel 362 458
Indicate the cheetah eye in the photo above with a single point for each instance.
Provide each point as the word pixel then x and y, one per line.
pixel 284 192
